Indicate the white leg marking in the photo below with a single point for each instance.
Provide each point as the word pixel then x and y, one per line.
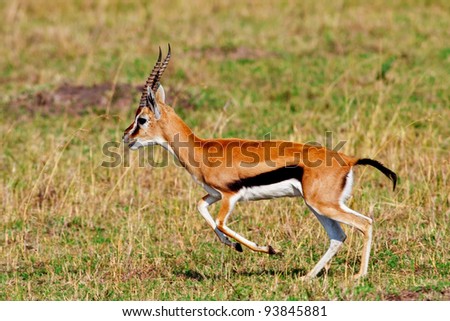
pixel 366 255
pixel 367 241
pixel 203 209
pixel 337 238
pixel 367 235
pixel 332 250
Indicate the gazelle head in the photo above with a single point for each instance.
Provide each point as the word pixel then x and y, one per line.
pixel 145 129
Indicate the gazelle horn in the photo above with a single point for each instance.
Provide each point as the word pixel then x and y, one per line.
pixel 161 70
pixel 150 80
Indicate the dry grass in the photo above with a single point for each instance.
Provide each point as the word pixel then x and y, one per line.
pixel 375 75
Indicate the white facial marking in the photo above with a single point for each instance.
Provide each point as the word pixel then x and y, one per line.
pixel 164 144
pixel 142 121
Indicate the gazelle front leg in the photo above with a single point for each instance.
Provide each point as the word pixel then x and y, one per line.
pixel 203 209
pixel 228 202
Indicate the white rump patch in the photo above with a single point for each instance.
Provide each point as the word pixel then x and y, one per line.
pixel 346 193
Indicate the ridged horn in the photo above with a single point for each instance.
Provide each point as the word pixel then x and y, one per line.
pixel 150 80
pixel 161 70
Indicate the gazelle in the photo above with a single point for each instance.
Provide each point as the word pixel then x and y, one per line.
pixel 234 170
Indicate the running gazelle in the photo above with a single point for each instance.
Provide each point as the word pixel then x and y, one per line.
pixel 233 170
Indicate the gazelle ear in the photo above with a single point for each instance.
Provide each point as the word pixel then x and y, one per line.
pixel 161 94
pixel 152 104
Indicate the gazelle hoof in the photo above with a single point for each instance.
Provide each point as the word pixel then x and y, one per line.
pixel 238 247
pixel 272 251
pixel 306 278
pixel 358 277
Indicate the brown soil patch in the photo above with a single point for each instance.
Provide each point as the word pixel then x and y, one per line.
pixel 405 295
pixel 76 100
pixel 420 294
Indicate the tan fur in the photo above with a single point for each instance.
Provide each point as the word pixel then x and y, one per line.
pixel 218 177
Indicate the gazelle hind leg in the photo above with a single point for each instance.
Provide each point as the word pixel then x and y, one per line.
pixel 343 214
pixel 367 242
pixel 203 209
pixel 337 238
pixel 228 203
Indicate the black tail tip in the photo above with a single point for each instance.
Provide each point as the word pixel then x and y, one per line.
pixel 386 171
pixel 394 180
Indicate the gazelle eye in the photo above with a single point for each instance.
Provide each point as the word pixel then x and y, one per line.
pixel 142 121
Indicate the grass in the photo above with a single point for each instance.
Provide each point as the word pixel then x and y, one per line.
pixel 375 75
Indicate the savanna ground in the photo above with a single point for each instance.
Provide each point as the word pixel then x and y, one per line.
pixel 374 74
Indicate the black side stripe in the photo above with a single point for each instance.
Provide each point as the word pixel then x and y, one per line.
pixel 267 178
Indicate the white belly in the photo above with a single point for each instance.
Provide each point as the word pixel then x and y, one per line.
pixel 288 188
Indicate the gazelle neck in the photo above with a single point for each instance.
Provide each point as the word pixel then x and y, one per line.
pixel 182 142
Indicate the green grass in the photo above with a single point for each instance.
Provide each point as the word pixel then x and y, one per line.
pixel 375 75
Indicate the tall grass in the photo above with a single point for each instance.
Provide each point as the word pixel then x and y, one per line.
pixel 375 75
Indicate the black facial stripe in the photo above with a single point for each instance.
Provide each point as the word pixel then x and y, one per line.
pixel 135 131
pixel 267 178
